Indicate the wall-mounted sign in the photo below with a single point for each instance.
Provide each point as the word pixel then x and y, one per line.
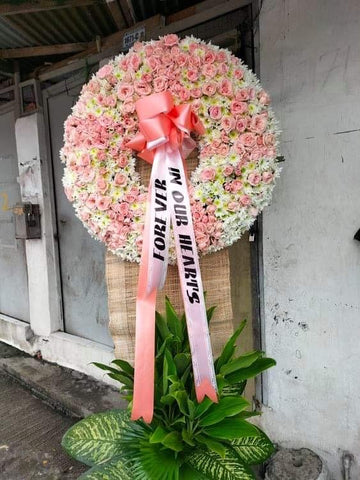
pixel 136 35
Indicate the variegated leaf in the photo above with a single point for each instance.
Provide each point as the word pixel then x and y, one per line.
pixel 96 439
pixel 213 467
pixel 253 450
pixel 113 470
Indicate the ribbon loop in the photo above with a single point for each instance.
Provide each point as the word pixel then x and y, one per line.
pixel 164 140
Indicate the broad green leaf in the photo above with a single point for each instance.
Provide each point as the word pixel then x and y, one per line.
pixel 209 313
pixel 181 399
pixel 173 321
pixel 233 390
pixel 229 348
pixel 231 428
pixel 182 362
pixel 187 438
pixel 113 470
pixel 212 445
pixel 243 361
pixel 162 326
pixel 125 366
pixel 202 407
pixel 253 450
pixel 107 368
pixel 213 467
pixel 152 462
pixel 173 441
pixel 227 407
pixel 124 379
pixel 158 435
pixel 188 473
pixel 257 367
pixel 97 438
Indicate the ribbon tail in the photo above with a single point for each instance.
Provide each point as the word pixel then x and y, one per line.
pixel 190 279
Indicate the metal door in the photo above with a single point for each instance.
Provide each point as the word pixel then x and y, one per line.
pixel 82 259
pixel 14 297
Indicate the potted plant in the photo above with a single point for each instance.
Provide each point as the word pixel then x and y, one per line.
pixel 185 440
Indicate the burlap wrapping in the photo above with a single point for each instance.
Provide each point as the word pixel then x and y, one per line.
pixel 122 278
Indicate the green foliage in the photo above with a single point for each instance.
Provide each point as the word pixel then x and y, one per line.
pixel 185 440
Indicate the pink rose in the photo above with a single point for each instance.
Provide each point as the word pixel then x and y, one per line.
pixel 181 59
pixel 196 92
pixel 215 112
pixel 208 174
pixel 153 63
pixel 263 97
pixel 209 70
pixel 103 203
pixel 149 49
pixel 222 69
pixel 171 39
pixel 128 106
pixel 120 179
pixel 210 57
pixel 105 71
pixel 236 186
pixel 267 177
pixel 238 74
pixel 233 206
pixel 269 139
pixel 237 108
pixel 254 178
pixel 135 61
pixel 91 201
pixel 221 56
pixel 245 200
pixel 242 95
pixel 160 84
pixel 239 148
pixel 192 75
pixel 125 91
pixel 225 88
pixel 184 94
pixel 228 123
pixel 142 88
pixel 209 89
pixel 241 124
pixel 228 170
pixel 258 124
pixel 85 160
pixel 248 139
pixel 102 185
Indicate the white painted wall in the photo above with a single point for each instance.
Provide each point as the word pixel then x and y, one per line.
pixel 310 64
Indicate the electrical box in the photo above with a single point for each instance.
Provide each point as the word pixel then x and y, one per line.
pixel 27 221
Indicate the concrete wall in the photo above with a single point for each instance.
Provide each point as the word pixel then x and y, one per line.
pixel 310 63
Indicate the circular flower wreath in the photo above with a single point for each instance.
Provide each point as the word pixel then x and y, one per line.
pixel 237 154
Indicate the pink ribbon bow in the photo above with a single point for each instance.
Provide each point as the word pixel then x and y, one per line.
pixel 164 140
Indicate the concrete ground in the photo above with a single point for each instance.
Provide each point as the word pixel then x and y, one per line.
pixel 38 403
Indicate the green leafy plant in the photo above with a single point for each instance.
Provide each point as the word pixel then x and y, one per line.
pixel 186 440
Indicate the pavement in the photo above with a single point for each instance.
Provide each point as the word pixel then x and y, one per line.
pixel 39 401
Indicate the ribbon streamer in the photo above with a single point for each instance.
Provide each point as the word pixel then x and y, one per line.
pixel 164 140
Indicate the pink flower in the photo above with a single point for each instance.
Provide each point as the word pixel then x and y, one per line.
pixel 181 59
pixel 171 39
pixel 120 179
pixel 135 61
pixel 228 170
pixel 153 63
pixel 208 174
pixel 209 70
pixel 102 185
pixel 254 178
pixel 196 92
pixel 225 88
pixel 128 106
pixel 248 139
pixel 269 139
pixel 236 186
pixel 267 177
pixel 239 148
pixel 125 91
pixel 184 94
pixel 241 124
pixel 209 89
pixel 91 201
pixel 233 206
pixel 142 88
pixel 237 108
pixel 222 69
pixel 85 160
pixel 160 84
pixel 228 123
pixel 238 74
pixel 210 57
pixel 215 112
pixel 263 97
pixel 258 124
pixel 242 95
pixel 221 56
pixel 149 50
pixel 192 75
pixel 103 203
pixel 105 71
pixel 245 200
